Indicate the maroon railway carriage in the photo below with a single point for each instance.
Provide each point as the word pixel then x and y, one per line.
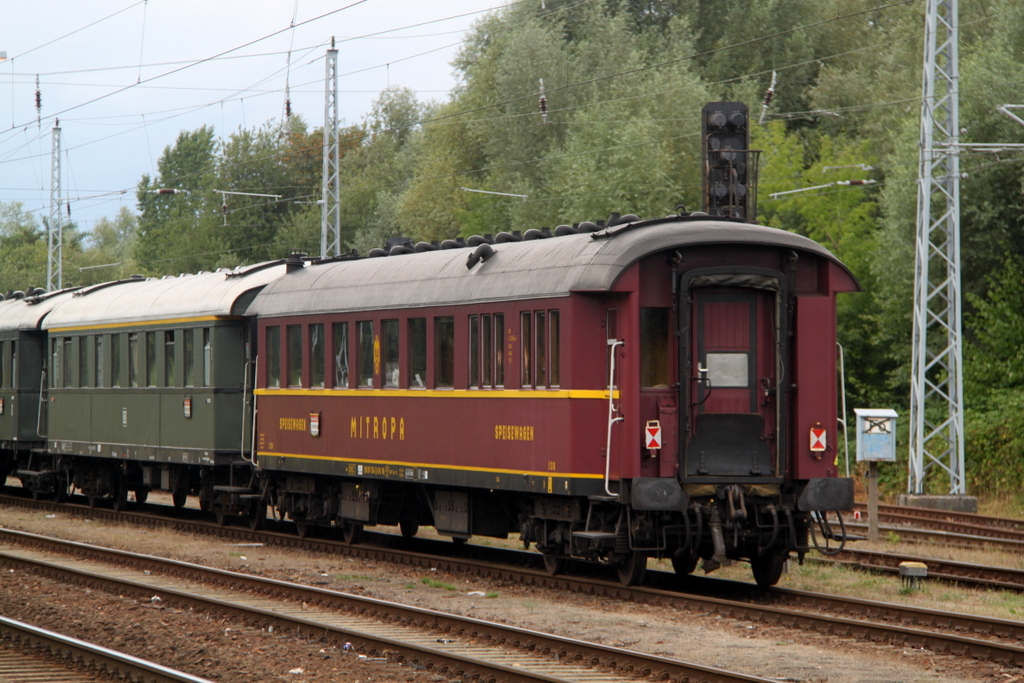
pixel 660 388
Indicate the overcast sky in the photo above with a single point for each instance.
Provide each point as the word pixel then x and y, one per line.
pixel 125 76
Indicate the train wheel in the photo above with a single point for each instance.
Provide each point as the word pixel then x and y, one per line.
pixel 60 489
pixel 93 501
pixel 179 498
pixel 352 532
pixel 257 514
pixel 408 528
pixel 684 564
pixel 120 499
pixel 553 564
pixel 767 568
pixel 632 568
pixel 301 528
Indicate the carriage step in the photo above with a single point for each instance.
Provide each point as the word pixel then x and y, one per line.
pixel 233 489
pixel 595 535
pixel 33 473
pixel 603 499
pixel 250 496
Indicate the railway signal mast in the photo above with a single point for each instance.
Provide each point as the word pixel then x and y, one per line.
pixel 936 390
pixel 330 225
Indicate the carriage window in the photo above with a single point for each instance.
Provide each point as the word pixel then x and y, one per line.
pixel 54 362
pixel 98 362
pixel 389 351
pixel 364 358
pixel 417 353
pixel 554 364
pixel 115 360
pixel 340 354
pixel 444 352
pixel 525 342
pixel 83 365
pixel 294 333
pixel 728 370
pixel 208 357
pixel 169 378
pixel 499 350
pixel 65 362
pixel 274 357
pixel 14 364
pixel 316 356
pixel 540 348
pixel 474 352
pixel 487 346
pixel 133 359
pixel 3 361
pixel 655 358
pixel 151 359
pixel 190 358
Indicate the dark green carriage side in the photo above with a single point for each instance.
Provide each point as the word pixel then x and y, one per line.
pixel 22 351
pixel 147 383
pixel 171 393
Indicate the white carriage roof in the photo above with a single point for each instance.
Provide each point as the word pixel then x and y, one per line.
pixel 146 301
pixel 543 268
pixel 28 313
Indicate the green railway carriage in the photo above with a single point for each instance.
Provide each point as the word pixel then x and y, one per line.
pixel 147 383
pixel 22 422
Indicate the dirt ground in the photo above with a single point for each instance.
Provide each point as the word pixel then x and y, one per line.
pixel 226 651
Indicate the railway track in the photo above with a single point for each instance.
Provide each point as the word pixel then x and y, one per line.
pixel 457 646
pixel 918 535
pixel 881 622
pixel 29 654
pixel 954 521
pixel 1004 578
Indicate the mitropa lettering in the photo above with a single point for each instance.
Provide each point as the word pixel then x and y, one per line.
pixel 513 432
pixel 366 427
pixel 292 424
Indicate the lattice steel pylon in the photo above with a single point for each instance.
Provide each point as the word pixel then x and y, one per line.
pixel 936 389
pixel 55 230
pixel 330 224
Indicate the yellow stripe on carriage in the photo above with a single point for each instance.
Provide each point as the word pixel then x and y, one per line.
pixel 427 466
pixel 443 393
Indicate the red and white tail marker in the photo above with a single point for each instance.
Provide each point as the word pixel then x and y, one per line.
pixel 652 434
pixel 818 442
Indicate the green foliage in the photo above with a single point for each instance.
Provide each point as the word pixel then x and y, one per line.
pixel 22 249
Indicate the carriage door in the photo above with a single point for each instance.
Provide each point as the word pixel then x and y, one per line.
pixel 732 407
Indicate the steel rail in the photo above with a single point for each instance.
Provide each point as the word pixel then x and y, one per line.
pixel 117 665
pixel 957 522
pixel 1004 578
pixel 969 518
pixel 918 535
pixel 599 658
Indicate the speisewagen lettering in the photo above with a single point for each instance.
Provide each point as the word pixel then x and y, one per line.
pixel 513 432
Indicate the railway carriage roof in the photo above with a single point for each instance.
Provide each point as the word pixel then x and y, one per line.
pixel 28 313
pixel 178 299
pixel 552 267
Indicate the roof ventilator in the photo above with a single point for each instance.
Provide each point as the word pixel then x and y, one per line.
pixel 481 253
pixel 294 262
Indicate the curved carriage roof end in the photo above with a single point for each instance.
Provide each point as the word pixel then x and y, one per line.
pixel 202 296
pixel 28 313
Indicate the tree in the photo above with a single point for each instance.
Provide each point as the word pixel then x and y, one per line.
pixel 23 249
